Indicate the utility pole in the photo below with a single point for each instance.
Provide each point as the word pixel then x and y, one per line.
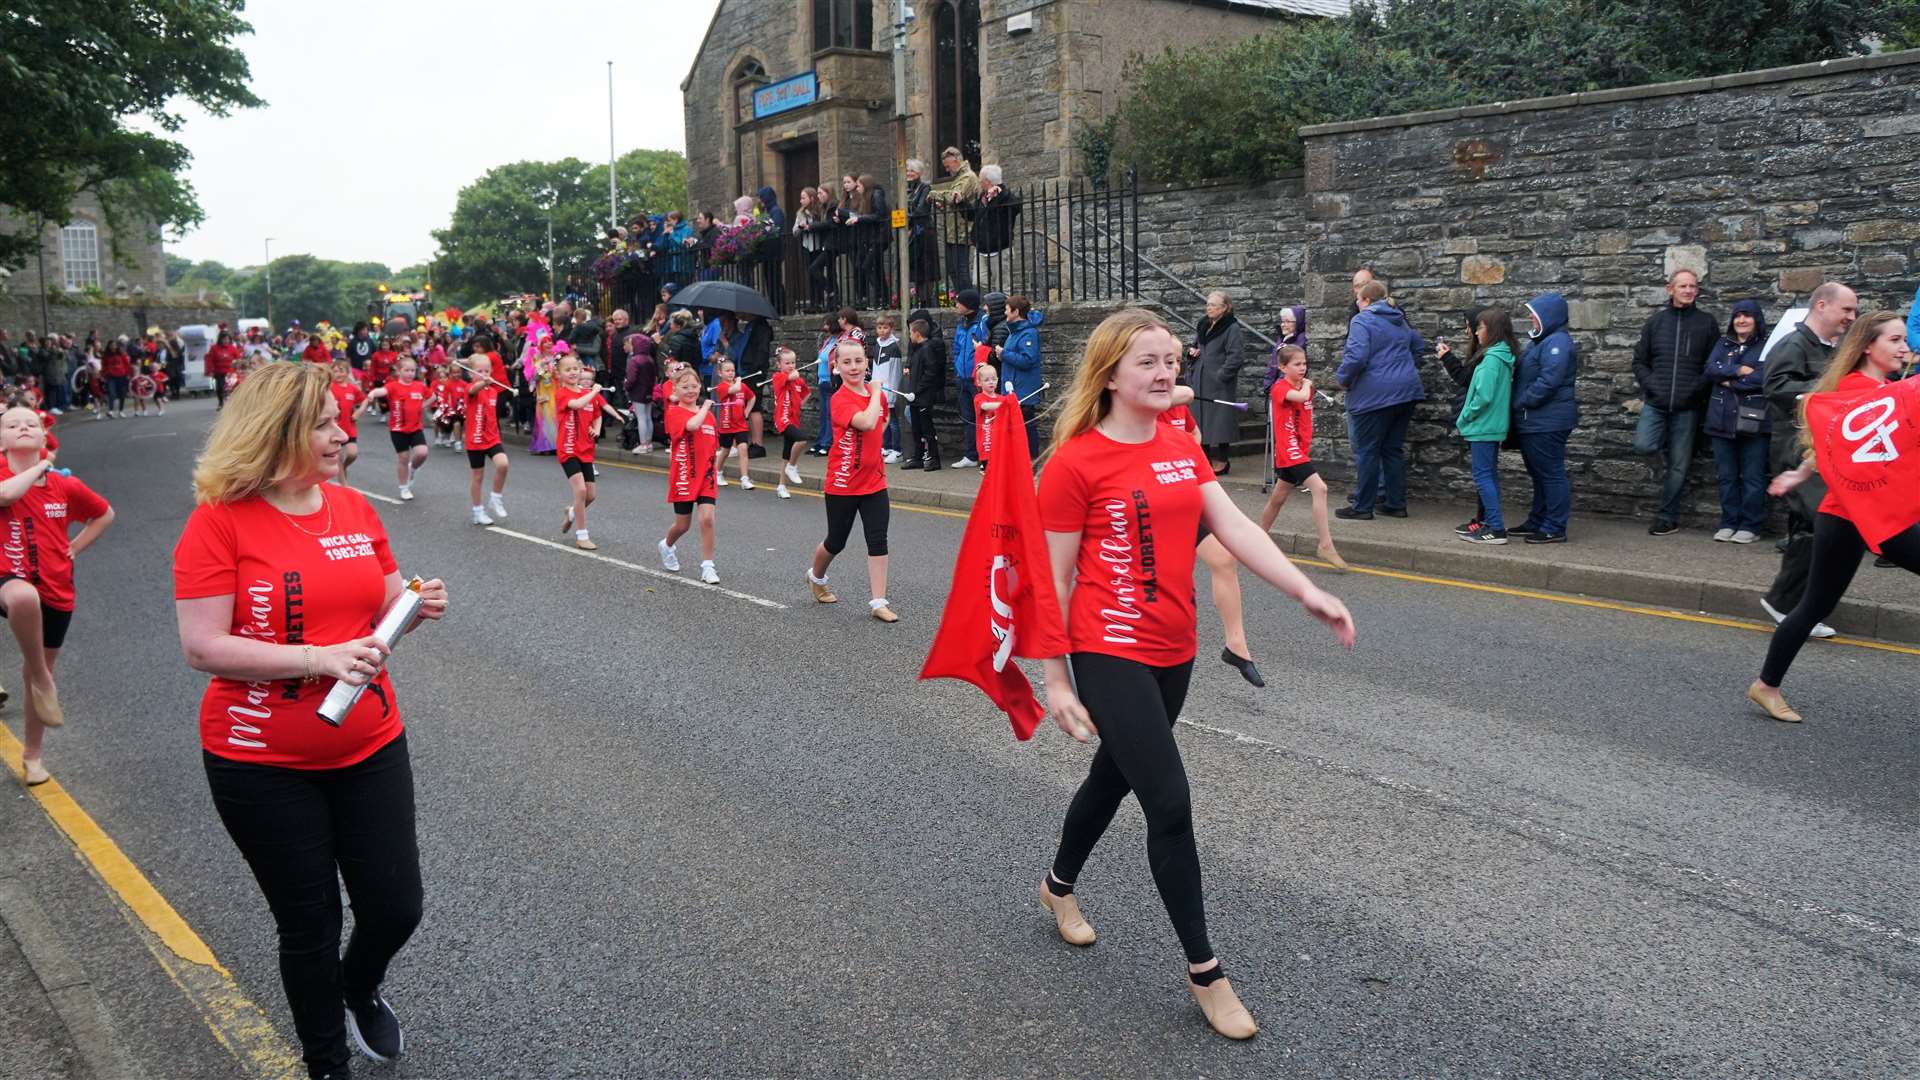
pixel 549 253
pixel 902 15
pixel 613 198
pixel 269 246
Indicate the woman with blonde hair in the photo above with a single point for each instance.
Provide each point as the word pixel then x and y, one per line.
pixel 1871 505
pixel 1122 500
pixel 277 576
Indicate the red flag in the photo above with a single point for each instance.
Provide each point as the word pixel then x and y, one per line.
pixel 1869 454
pixel 1002 602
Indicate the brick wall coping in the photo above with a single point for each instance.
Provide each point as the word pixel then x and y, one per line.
pixel 1624 93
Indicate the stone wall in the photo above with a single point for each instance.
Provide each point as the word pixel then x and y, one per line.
pixel 22 313
pixel 1767 182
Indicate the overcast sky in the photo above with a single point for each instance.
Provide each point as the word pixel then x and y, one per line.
pixel 377 114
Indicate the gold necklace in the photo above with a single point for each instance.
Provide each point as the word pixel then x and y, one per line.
pixel 325 504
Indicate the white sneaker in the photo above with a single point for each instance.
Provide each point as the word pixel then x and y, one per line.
pixel 1820 630
pixel 890 457
pixel 963 463
pixel 720 480
pixel 498 505
pixel 406 494
pixel 746 483
pixel 1744 536
pixel 782 492
pixel 793 476
pixel 1723 535
pixel 708 574
pixel 668 559
pixel 480 517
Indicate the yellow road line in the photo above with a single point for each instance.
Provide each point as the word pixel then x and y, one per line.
pixel 1604 605
pixel 233 1018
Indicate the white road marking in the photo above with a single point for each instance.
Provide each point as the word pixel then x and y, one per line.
pixel 155 435
pixel 1616 857
pixel 382 498
pixel 647 570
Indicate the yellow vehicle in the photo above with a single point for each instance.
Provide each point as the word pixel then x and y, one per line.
pixel 396 310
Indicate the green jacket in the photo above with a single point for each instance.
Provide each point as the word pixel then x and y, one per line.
pixel 1488 409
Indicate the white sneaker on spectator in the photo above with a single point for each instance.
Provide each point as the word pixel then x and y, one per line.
pixel 963 463
pixel 793 476
pixel 1820 629
pixel 1743 536
pixel 890 457
pixel 1723 535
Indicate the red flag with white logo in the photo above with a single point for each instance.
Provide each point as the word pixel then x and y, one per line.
pixel 1868 451
pixel 1002 602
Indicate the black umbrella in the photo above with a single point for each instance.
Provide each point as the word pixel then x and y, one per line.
pixel 724 296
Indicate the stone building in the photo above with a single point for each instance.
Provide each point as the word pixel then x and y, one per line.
pixel 783 93
pixel 79 254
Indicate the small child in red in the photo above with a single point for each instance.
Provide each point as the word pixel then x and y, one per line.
pixel 732 398
pixel 986 407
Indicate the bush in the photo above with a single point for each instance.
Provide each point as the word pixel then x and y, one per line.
pixel 1234 110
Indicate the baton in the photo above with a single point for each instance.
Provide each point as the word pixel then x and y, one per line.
pixel 1043 386
pixel 487 377
pixel 903 395
pixel 344 695
pixel 1241 405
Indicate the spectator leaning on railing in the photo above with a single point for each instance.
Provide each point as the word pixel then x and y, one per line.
pixel 958 194
pixel 1669 363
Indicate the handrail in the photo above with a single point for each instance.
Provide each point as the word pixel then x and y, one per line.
pixel 1169 275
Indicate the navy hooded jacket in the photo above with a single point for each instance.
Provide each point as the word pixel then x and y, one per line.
pixel 1730 388
pixel 1020 357
pixel 1377 366
pixel 1543 381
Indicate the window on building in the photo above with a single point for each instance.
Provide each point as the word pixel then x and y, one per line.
pixel 80 255
pixel 956 77
pixel 748 76
pixel 844 24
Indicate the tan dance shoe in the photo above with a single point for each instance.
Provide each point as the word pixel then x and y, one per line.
pixel 1074 927
pixel 1222 1006
pixel 1770 700
pixel 1327 554
pixel 822 594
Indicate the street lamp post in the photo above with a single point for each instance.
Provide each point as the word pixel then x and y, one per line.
pixel 269 268
pixel 902 15
pixel 613 197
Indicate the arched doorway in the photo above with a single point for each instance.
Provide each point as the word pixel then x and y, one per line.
pixel 956 78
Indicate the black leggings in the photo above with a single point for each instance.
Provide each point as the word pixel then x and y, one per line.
pixel 1837 550
pixel 1134 707
pixel 873 510
pixel 298 828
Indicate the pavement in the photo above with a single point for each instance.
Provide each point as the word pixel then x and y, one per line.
pixel 1607 557
pixel 672 830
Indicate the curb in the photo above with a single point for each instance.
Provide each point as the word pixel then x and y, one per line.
pixel 1897 623
pixel 68 990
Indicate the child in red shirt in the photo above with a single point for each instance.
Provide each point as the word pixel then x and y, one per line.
pixel 483 445
pixel 692 467
pixel 986 408
pixel 789 391
pixel 37 507
pixel 160 384
pixel 379 367
pixel 351 398
pixel 732 400
pixel 406 402
pixel 1290 408
pixel 577 406
pixel 856 480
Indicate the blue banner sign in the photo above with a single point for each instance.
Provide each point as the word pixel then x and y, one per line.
pixel 794 93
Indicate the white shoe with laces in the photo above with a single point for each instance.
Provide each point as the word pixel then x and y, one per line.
pixel 963 463
pixel 480 517
pixel 1820 629
pixel 720 481
pixel 708 574
pixel 1723 535
pixel 793 476
pixel 746 483
pixel 1743 536
pixel 782 492
pixel 406 493
pixel 498 505
pixel 668 558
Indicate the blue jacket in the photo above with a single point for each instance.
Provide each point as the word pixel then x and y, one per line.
pixel 1020 356
pixel 1379 364
pixel 967 332
pixel 1543 383
pixel 1913 323
pixel 1730 388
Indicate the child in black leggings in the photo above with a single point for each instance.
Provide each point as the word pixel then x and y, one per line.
pixel 856 480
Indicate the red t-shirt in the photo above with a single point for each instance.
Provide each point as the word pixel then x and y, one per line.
pixel 853 462
pixel 380 365
pixel 1180 419
pixel 36 547
pixel 730 412
pixel 789 394
pixel 575 438
pixel 319 579
pixel 1866 454
pixel 690 469
pixel 1131 597
pixel 349 396
pixel 220 359
pixel 483 419
pixel 316 353
pixel 406 405
pixel 1292 426
pixel 985 421
pixel 116 366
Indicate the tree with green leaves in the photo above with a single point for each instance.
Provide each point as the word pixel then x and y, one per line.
pixel 304 288
pixel 74 74
pixel 1234 110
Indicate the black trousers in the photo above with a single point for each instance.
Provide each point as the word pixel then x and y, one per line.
pixel 303 831
pixel 1790 584
pixel 873 509
pixel 1134 708
pixel 959 257
pixel 1836 548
